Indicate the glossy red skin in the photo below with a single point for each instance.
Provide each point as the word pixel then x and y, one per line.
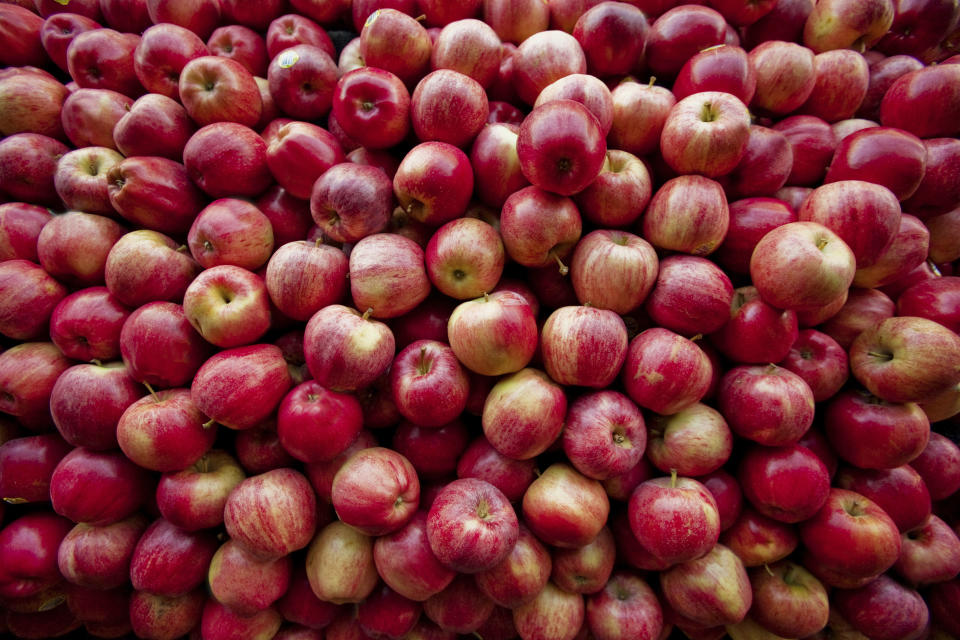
pixel 88 400
pixel 103 59
pixel 89 116
pixel 428 384
pixel 882 155
pixel 639 113
pixel 924 102
pixel 241 387
pixel 626 604
pixel 813 144
pixel 223 325
pixel 193 499
pixel 755 332
pixel 164 270
pixel 840 84
pixel 679 34
pixel 698 227
pixel 328 349
pixel 785 76
pixel 165 432
pixel 938 192
pixel 764 168
pixel 21 37
pixel 561 147
pixel 387 275
pixel 241 44
pixel 29 550
pixel 315 424
pixel 583 346
pixel 86 325
pixel 302 80
pixel 884 609
pixel 816 441
pixel 788 484
pixel 481 460
pixel 163 52
pixel 750 220
pixel 244 582
pixel 470 47
pixel 456 537
pixel 397 43
pixel 939 465
pixel 155 193
pixel 585 569
pixel 528 238
pixel 723 68
pixel 154 331
pixel 27 464
pixel 217 89
pixel 706 133
pixel 612 38
pixel 256 17
pixel 820 361
pixel 542 58
pixel 245 173
pixel 665 372
pixel 524 413
pixel 519 577
pixel 289 216
pixel 604 434
pixel 936 299
pixel 677 522
pixel 726 491
pixel 406 562
pixel 102 612
pixel 929 554
pixel 98 488
pixel 350 202
pixel 387 613
pixel 373 106
pixel 767 404
pixel 434 183
pixel 99 556
pixel 300 606
pixel 460 608
pixel 376 491
pixel 170 561
pixel 259 450
pixel 883 73
pixel 299 153
pixel 873 434
pixel 155 615
pixel 694 284
pixel 218 622
pixel 20 226
pixel 690 590
pixel 231 231
pixel 30 163
pixel 900 491
pixel 864 309
pixel 292 29
pixel 908 250
pixel 448 106
pixel 759 540
pixel 58 31
pixel 60 238
pixel 28 372
pixel 433 451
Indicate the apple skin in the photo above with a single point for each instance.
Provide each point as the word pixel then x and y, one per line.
pixel 233 95
pixel 99 556
pixel 788 484
pixel 561 147
pixel 460 608
pixel 639 113
pixel 519 577
pixel 880 356
pixel 659 506
pixel 781 404
pixel 164 269
pixel 406 562
pixel 56 247
pixel 852 420
pixel 481 460
pixel 164 50
pixel 556 521
pixel 155 193
pixel 31 296
pixel 678 34
pixel 299 153
pixel 346 350
pixel 585 569
pixel 932 299
pixel 89 116
pixel 388 613
pixel 909 102
pixel 155 330
pixel 98 487
pixel 465 258
pixel 841 80
pixel 241 44
pixel 693 442
pixel 292 29
pixel 29 551
pixel 514 22
pixel 528 237
pixel 900 491
pixel 785 76
pixel 231 231
pixel 28 373
pixel 302 81
pixel 906 252
pixel 626 607
pixel 886 156
pixel 387 275
pixel 711 590
pixel 470 47
pixel 80 179
pixel 299 262
pixel 384 505
pixel 850 540
pixel 937 465
pixel 170 561
pixel 665 372
pixel 720 68
pixel 524 414
pixel 193 499
pixel 759 540
pixel 351 552
pixel 937 192
pixel 493 335
pixel 929 554
pixel 756 332
pixel 316 424
pixel 706 133
pixel 27 464
pixel 219 622
pixel 30 164
pixel 227 159
pixel 103 59
pixel 20 226
pixel 612 38
pixel 604 434
pixel 448 106
pixel 228 305
pixel 698 226
pixel 351 201
pixel 554 613
pixel 842 24
pixel 496 166
pixel 693 283
pixel 820 361
pixel 86 325
pixel 613 270
pixel 788 600
pixel 471 526
pixel 583 346
pixel 162 617
pixel 245 583
pixel 884 609
pixel 428 384
pixel 21 37
pixel 619 193
pixel 864 309
pixel 395 42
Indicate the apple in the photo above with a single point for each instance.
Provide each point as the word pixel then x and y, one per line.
pixel 163 51
pixel 679 33
pixel 690 282
pixel 936 193
pixel 516 21
pixel 665 372
pixel 86 325
pixel 613 270
pixel 28 373
pixel 387 275
pixel 470 47
pixel 527 237
pixel 241 44
pixel 170 561
pixel 481 460
pixel 689 502
pixel 194 498
pixel 786 76
pixel 394 41
pixel 80 179
pixel 30 164
pixel 496 166
pixel 428 384
pixel 910 244
pixel 759 540
pixel 227 159
pixel 155 193
pixel 23 37
pixel 57 242
pixel 787 483
pixel 219 622
pixel 302 80
pixel 199 16
pixel 706 133
pixel 781 404
pixel 340 546
pixel 493 335
pixel 464 258
pixel 20 226
pixel 150 334
pixel 228 305
pixel 788 600
pixel 900 491
pixel 619 193
pixel 434 182
pixel 841 80
pixel 931 299
pixel 98 487
pixel 28 463
pixel 471 526
pixel 244 582
pixel 726 491
pixel 639 113
pixel 316 424
pixel 99 556
pixel 929 554
pixel 884 609
pixel 300 606
pixel 524 414
pixel 695 441
pixel 299 153
pixel 937 465
pixel 231 231
pixel 755 332
pixel 604 434
pixel 407 564
pixel 519 577
pixel 907 103
pixel 626 607
pixel 155 616
pixel 554 613
pixel 376 491
pixel 820 361
pixel 460 608
pixel 565 508
pixel 585 569
pixel 711 590
pixel 612 37
pixel 346 350
pixel 372 106
pixel 448 106
pixel 289 216
pixel 103 59
pixel 259 450
pixel 841 24
pixel 29 551
pixel 698 226
pixel 388 613
pixel 292 29
pixel 33 102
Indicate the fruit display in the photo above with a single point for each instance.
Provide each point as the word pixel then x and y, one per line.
pixel 449 319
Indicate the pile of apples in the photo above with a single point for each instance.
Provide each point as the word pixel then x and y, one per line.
pixel 437 319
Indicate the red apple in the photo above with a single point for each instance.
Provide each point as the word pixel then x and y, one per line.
pixel 639 113
pixel 292 29
pixel 170 561
pixel 241 44
pixel 154 616
pixel 372 106
pixel 460 608
pixel 679 33
pixel 909 102
pixel 434 182
pixel 613 38
pixel 244 582
pixel 785 76
pixel 164 50
pixel 376 491
pixel 20 226
pixel 199 16
pixel 841 24
pixel 693 442
pixel 346 350
pixel 103 59
pixel 88 401
pixel 519 577
pixel 781 404
pixel 164 431
pixel 493 335
pixel 711 590
pixel 219 622
pixel 657 504
pixel 929 554
pixel 759 540
pixel 151 333
pixel 820 361
pixel 698 226
pixel 884 609
pixel 302 80
pixel 394 41
pixel 155 193
pixel 99 556
pixel 665 372
pixel 86 325
pixel 28 372
pixel 80 179
pixel 523 414
pixel 27 464
pixel 564 508
pixel 298 262
pixel 900 491
pixel 448 106
pixel 788 483
pixel 227 159
pixel 788 600
pixel 604 434
pixel 515 21
pixel 554 613
pixel 228 306
pixel 28 546
pixel 938 466
pixel 194 498
pixel 481 460
pixel 98 488
pixel 407 564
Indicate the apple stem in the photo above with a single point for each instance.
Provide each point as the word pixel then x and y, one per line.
pixel 203 464
pixel 564 269
pixel 183 248
pixel 421 18
pixel 769 570
pixel 486 298
pixel 15 500
pixel 152 392
pixel 699 336
pixel 367 313
pixel 653 81
pixel 318 242
pixel 933 267
pixel 673 478
pixel 209 423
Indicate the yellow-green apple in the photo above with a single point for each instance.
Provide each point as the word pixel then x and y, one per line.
pixel 434 182
pixel 86 325
pixel 471 526
pixel 171 561
pixel 150 334
pixel 428 384
pixel 394 41
pixel 164 50
pixel 693 442
pixel 679 33
pixel 665 372
pixel 788 600
pixel 759 540
pixel 227 159
pixel 883 609
pixel 767 404
pixel 58 241
pixel 929 554
pixel 524 414
pixel 155 193
pixel 626 607
pixel 88 400
pixel 604 434
pixel 842 24
pixel 706 133
pixel 103 59
pixel 217 89
pixel 27 464
pixel 481 460
pixel 565 508
pixel 231 231
pixel 690 282
pixel 20 226
pixel 219 622
pixel 297 263
pixel 906 358
pixel 292 29
pixel 521 575
pixel 528 237
pixel 657 504
pixel 299 153
pixel 448 106
pixel 460 608
pixel 240 44
pixel 245 582
pixel 711 590
pixel 787 483
pixel 272 514
pixel 585 569
pixel 387 275
pixel 820 361
pixel 470 47
pixel 515 21
pixel 346 350
pixel 900 491
pixel 228 306
pixel 242 386
pixel 583 346
pixel 494 334
pixel 194 498
pixel 164 431
pixel 28 547
pixel 561 147
pixel 909 103
pixel 698 226
pixel 756 332
pixel 160 616
pixel 28 372
pixel 406 562
pixel 613 38
pixel 316 424
pixel 372 106
pixel 387 613
pixel 376 491
pixel 554 613
pixel 613 270
pixel 302 81
pixel 99 556
pixel 465 258
pixel 850 540
pixel 30 295
pixel 785 76
pixel 81 179
pixel 98 487
pixel 639 113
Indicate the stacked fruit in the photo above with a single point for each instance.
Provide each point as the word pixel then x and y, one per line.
pixel 426 319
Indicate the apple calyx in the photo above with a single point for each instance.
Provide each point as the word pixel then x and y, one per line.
pixel 855 508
